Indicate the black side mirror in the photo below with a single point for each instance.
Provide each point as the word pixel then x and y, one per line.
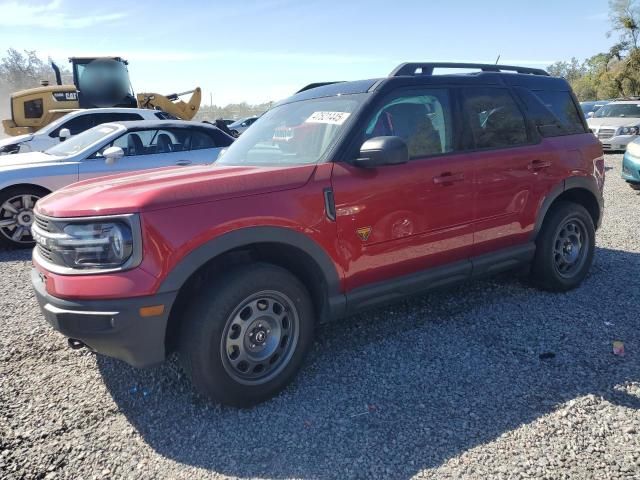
pixel 380 151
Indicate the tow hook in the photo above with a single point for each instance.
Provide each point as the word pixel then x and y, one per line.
pixel 75 344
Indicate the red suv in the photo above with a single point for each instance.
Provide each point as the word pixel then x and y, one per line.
pixel 383 188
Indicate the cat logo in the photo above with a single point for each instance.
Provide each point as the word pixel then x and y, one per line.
pixel 363 233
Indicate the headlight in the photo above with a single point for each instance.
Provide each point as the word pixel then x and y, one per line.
pixel 630 131
pixel 634 148
pixel 83 245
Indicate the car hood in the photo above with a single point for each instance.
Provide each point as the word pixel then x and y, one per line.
pixel 170 187
pixel 613 122
pixel 15 140
pixel 25 160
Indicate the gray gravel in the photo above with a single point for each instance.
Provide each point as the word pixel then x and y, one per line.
pixel 447 385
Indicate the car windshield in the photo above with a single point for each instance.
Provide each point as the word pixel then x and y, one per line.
pixel 296 133
pixel 81 141
pixel 619 110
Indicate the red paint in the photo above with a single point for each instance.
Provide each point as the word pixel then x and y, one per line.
pixel 422 214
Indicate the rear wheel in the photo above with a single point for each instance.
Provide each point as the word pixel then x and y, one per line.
pixel 16 215
pixel 564 248
pixel 246 336
pixel 635 186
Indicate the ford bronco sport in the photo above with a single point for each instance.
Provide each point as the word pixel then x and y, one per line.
pixel 395 185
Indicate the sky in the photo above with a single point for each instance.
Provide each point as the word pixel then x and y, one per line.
pixel 256 51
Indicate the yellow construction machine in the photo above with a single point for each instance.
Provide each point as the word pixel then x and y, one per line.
pixel 97 82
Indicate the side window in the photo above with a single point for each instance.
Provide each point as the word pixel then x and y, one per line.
pixel 496 121
pixel 200 140
pixel 220 139
pixel 136 143
pixel 423 119
pixel 115 117
pixel 76 125
pixel 33 108
pixel 564 109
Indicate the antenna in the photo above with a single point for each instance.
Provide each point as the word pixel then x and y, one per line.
pixel 498 59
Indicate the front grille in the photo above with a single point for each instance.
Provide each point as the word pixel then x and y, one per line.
pixel 605 133
pixel 43 223
pixel 45 253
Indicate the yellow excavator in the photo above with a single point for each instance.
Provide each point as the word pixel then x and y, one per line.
pixel 97 82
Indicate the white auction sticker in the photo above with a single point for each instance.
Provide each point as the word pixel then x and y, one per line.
pixel 333 118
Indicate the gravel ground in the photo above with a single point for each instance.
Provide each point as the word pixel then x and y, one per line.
pixel 490 379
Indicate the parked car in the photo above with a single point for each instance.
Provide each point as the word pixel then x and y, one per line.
pixel 72 124
pixel 616 124
pixel 631 164
pixel 397 185
pixel 589 108
pixel 103 150
pixel 238 128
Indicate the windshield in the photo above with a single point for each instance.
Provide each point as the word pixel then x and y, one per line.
pixel 295 133
pixel 619 110
pixel 81 141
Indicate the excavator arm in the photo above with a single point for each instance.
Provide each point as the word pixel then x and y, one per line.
pixel 172 104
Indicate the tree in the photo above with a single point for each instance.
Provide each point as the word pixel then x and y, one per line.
pixel 23 70
pixel 625 19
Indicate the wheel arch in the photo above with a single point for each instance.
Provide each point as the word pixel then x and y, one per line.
pixel 581 190
pixel 26 185
pixel 283 247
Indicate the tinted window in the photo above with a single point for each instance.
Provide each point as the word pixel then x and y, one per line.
pixel 115 117
pixel 149 142
pixel 496 121
pixel 200 140
pixel 422 119
pixel 76 125
pixel 563 108
pixel 33 108
pixel 547 123
pixel 220 139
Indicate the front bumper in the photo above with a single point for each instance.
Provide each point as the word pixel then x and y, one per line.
pixel 112 327
pixel 631 168
pixel 617 143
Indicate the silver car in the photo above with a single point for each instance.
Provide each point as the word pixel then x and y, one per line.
pixel 239 127
pixel 107 149
pixel 616 124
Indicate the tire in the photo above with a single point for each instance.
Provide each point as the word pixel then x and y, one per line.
pixel 567 229
pixel 260 314
pixel 635 186
pixel 16 215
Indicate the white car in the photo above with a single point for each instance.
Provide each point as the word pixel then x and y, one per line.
pixel 616 124
pixel 103 150
pixel 74 123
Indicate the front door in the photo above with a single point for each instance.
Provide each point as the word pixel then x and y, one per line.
pixel 401 219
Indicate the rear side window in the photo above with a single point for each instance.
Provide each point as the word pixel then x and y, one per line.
pixel 496 121
pixel 553 112
pixel 201 140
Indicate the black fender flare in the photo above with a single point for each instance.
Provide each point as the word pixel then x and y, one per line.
pixel 252 235
pixel 584 183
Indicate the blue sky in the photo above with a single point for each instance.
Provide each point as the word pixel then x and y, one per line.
pixel 265 50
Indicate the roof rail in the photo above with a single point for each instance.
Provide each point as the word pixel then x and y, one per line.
pixel 426 68
pixel 316 85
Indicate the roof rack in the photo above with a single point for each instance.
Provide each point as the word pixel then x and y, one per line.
pixel 316 85
pixel 411 69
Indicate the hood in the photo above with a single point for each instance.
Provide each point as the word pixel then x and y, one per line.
pixel 15 140
pixel 613 122
pixel 26 160
pixel 169 187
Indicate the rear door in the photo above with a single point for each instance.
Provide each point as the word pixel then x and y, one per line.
pixel 401 219
pixel 507 161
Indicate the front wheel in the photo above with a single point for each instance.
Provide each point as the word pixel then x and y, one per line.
pixel 16 216
pixel 564 248
pixel 246 336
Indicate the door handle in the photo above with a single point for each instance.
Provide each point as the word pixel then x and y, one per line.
pixel 539 165
pixel 448 178
pixel 184 162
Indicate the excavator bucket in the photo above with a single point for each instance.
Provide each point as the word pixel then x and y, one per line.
pixel 172 104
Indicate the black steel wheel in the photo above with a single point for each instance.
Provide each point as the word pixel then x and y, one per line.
pixel 246 334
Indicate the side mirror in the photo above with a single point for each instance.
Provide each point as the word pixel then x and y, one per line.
pixel 64 134
pixel 380 151
pixel 112 155
pixel 591 114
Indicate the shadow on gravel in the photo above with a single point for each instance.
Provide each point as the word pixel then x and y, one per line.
pixel 407 387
